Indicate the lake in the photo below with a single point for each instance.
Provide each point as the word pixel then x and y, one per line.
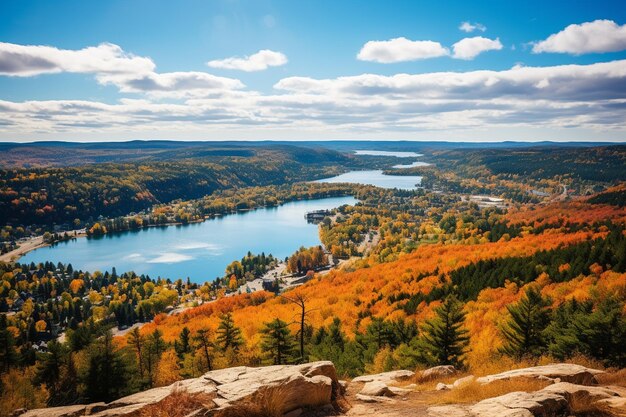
pixel 412 165
pixel 200 251
pixel 389 153
pixel 378 179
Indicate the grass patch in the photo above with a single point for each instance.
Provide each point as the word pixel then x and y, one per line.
pixel 617 377
pixel 178 404
pixel 473 392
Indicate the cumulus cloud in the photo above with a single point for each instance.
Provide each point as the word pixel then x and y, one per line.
pixel 106 58
pixel 583 96
pixel 469 48
pixel 111 65
pixel 259 61
pixel 177 84
pixel 400 50
pixel 565 82
pixel 597 36
pixel 470 27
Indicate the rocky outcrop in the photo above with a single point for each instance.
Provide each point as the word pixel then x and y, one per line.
pixel 456 384
pixel 564 372
pixel 441 371
pixel 386 377
pixel 376 389
pixel 553 401
pixel 283 388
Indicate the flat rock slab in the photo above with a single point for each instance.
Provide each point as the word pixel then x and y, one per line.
pixel 552 401
pixel 565 372
pixel 287 387
pixel 386 377
pixel 438 372
pixel 376 389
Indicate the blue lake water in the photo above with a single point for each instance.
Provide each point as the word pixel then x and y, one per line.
pixel 389 153
pixel 200 251
pixel 378 179
pixel 412 165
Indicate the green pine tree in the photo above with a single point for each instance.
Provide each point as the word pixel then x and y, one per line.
pixel 183 345
pixel 277 342
pixel 108 371
pixel 524 331
pixel 8 353
pixel 228 335
pixel 444 339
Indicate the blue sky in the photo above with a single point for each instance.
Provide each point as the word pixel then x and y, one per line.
pixel 323 80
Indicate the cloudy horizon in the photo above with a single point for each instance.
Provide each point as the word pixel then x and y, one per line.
pixel 484 77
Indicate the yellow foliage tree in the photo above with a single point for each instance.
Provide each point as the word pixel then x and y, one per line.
pixel 168 370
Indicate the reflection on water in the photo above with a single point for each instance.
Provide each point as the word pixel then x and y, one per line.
pixel 200 251
pixel 378 179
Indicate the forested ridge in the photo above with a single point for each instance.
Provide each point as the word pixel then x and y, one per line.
pixel 412 266
pixel 63 195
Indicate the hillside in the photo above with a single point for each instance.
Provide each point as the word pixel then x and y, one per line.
pixel 569 251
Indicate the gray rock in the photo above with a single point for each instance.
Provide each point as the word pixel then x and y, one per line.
pixel 565 372
pixel 376 389
pixel 373 399
pixel 438 372
pixel 288 387
pixel 522 404
pixel 386 377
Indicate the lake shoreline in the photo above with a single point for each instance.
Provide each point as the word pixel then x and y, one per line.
pixel 200 252
pixel 36 242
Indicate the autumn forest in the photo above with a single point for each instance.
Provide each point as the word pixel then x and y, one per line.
pixel 514 254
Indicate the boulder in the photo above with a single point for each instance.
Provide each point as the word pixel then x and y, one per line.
pixel 514 404
pixel 565 372
pixel 522 404
pixel 373 399
pixel 608 397
pixel 284 388
pixel 437 372
pixel 554 400
pixel 386 377
pixel 456 384
pixel 376 389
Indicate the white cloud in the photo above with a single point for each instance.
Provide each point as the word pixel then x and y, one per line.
pixel 106 58
pixel 470 27
pixel 111 66
pixel 589 37
pixel 259 61
pixel 400 50
pixel 469 48
pixel 171 84
pixel 557 97
pixel 170 258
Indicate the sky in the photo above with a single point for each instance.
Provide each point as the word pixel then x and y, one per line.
pixel 486 70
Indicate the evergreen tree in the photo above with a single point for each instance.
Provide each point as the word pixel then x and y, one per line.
pixel 8 353
pixel 444 339
pixel 277 342
pixel 137 342
pixel 228 335
pixel 183 345
pixel 203 340
pixel 524 331
pixel 49 371
pixel 107 373
pixel 561 334
pixel 155 348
